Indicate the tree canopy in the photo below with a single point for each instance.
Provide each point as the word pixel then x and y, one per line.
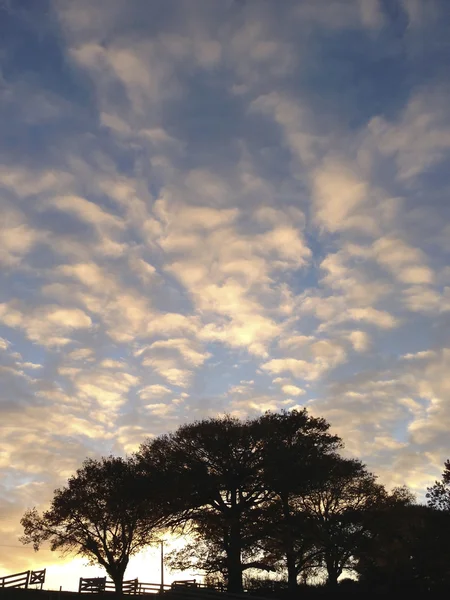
pixel 220 461
pixel 298 451
pixel 100 514
pixel 438 495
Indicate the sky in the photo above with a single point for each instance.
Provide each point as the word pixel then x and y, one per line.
pixel 219 206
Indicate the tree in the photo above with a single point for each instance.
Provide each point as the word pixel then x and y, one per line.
pixel 296 452
pixel 288 544
pixel 339 511
pixel 208 545
pixel 408 550
pixel 213 471
pixel 99 514
pixel 438 495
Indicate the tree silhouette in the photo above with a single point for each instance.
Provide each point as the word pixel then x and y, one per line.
pixel 408 548
pixel 296 461
pixel 438 495
pixel 338 510
pixel 214 467
pixel 99 514
pixel 207 548
pixel 289 544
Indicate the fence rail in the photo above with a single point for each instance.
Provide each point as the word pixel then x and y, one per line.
pixel 37 577
pixel 184 588
pixel 23 580
pixel 15 580
pixel 151 588
pixel 92 584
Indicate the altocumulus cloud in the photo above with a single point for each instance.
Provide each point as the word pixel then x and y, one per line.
pixel 214 207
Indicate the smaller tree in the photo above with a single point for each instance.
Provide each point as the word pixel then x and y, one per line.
pixel 295 535
pixel 408 550
pixel 340 513
pixel 438 495
pixel 100 515
pixel 208 546
pixel 296 450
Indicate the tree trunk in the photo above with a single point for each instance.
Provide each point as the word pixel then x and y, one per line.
pixel 118 582
pixel 234 558
pixel 333 572
pixel 289 546
pixel 332 579
pixel 117 573
pixel 292 571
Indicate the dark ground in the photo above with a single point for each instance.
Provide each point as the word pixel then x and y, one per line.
pixel 318 593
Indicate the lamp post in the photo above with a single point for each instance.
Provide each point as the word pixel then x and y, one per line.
pixel 162 565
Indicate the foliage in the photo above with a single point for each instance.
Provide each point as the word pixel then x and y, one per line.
pixel 99 515
pixel 409 547
pixel 298 452
pixel 438 495
pixel 339 512
pixel 219 462
pixel 207 550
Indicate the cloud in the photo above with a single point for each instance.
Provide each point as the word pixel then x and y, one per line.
pixel 294 118
pixel 374 316
pixel 341 15
pixel 169 370
pixel 87 211
pixel 3 344
pixel 372 13
pixel 18 238
pixel 298 368
pixel 81 354
pixel 224 269
pixel 339 192
pixel 24 181
pixel 110 363
pixel 48 325
pixel 173 359
pixel 292 390
pixel 295 341
pixel 408 264
pixel 420 138
pixel 349 272
pixel 360 340
pixel 129 67
pixel 243 388
pixel 189 353
pixel 150 391
pixel 419 355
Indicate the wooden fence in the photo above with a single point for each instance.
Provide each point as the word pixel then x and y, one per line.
pixel 151 588
pixel 23 580
pixel 95 585
pixel 185 589
pixel 193 583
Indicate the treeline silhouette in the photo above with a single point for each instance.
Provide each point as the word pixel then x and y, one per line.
pixel 272 495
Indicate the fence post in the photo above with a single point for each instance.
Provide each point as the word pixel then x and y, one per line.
pixel 27 579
